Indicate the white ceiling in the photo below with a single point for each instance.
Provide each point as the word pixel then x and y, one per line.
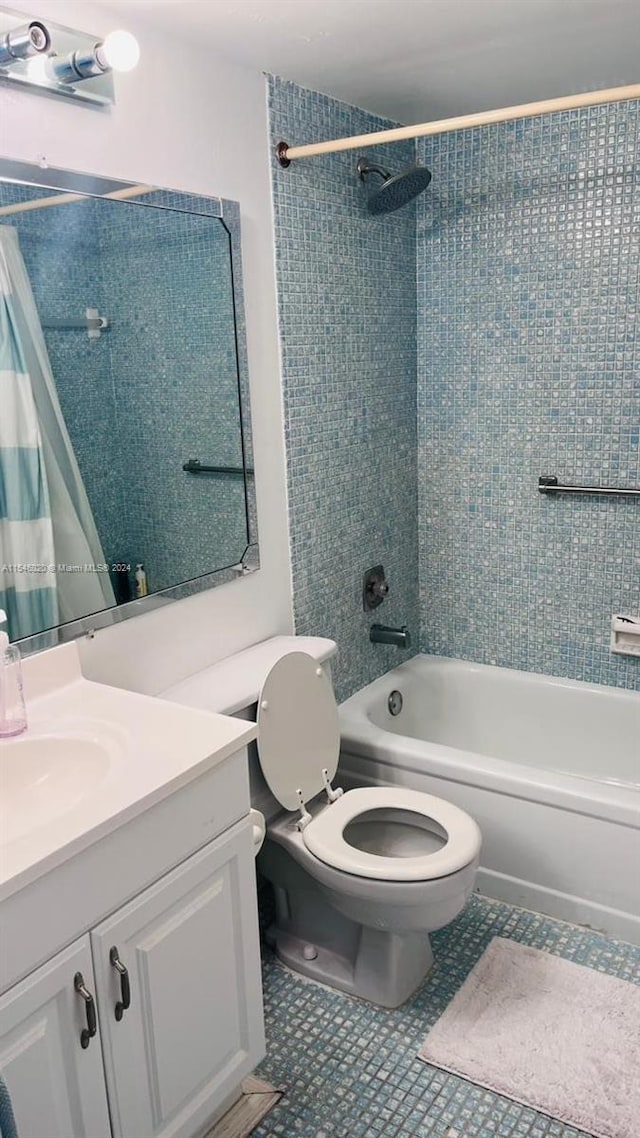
pixel 415 60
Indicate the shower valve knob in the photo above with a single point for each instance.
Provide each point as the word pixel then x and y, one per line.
pixel 375 588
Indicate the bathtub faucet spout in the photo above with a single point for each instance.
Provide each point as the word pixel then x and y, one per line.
pixel 384 634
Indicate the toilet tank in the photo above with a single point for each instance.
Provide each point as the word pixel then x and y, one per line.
pixel 233 685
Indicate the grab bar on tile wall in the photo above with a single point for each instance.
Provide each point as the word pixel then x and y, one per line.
pixel 194 466
pixel 85 324
pixel 548 484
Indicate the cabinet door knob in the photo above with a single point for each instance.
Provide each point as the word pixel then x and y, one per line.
pixel 88 1032
pixel 125 988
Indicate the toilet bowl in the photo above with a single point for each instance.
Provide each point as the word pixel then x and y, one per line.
pixel 360 877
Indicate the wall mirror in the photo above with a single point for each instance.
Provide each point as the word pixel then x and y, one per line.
pixel 126 472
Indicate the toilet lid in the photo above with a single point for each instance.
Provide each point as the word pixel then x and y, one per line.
pixel 298 729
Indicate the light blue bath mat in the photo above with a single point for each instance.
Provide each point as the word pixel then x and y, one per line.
pixel 548 1033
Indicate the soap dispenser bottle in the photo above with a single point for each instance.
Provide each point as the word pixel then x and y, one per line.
pixel 142 586
pixel 13 715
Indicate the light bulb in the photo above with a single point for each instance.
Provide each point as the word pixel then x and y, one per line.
pixel 119 51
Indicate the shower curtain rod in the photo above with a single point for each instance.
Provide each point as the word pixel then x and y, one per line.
pixel 67 199
pixel 286 154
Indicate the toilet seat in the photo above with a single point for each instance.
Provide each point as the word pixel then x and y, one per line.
pixel 299 747
pixel 324 836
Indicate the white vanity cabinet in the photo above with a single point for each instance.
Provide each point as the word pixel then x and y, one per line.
pixel 193 1029
pixel 164 923
pixel 57 1087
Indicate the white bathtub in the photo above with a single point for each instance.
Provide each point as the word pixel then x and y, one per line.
pixel 549 768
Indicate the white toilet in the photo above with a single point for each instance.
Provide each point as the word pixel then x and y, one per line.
pixel 360 877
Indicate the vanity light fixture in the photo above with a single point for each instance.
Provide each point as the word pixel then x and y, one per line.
pixel 61 60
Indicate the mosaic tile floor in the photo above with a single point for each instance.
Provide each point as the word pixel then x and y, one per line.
pixel 350 1070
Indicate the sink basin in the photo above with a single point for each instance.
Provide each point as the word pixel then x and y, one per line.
pixel 45 776
pixel 93 758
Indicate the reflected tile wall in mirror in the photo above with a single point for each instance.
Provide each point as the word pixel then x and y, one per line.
pixel 158 387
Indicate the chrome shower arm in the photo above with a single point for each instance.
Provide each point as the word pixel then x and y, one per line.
pixel 365 167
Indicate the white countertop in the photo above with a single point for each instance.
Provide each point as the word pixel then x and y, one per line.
pixel 153 748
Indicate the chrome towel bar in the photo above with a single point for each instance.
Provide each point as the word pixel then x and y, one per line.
pixel 84 323
pixel 194 466
pixel 548 484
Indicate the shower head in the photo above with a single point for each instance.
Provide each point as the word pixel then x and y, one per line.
pixel 396 190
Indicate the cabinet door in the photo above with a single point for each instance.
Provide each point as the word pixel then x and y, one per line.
pixel 57 1087
pixel 194 1026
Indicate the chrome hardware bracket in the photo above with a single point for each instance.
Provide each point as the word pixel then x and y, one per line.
pixel 326 782
pixel 305 817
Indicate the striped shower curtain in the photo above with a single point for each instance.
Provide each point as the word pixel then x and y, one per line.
pixel 28 589
pixel 45 518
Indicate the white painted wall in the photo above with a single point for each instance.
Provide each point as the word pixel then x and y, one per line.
pixel 187 120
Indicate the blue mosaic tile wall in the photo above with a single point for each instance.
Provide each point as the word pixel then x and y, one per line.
pixel 528 260
pixel 528 364
pixel 346 287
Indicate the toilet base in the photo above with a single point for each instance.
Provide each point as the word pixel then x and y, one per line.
pixel 386 970
pixel 382 965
